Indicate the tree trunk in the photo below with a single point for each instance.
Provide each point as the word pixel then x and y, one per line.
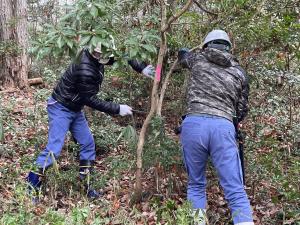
pixel 13 34
pixel 154 100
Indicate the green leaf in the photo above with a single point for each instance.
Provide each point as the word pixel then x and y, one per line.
pixel 133 52
pixel 34 49
pixel 94 11
pixel 70 44
pixel 129 134
pixel 85 40
pixel 149 48
pixel 68 16
pixel 60 42
pixel 144 56
pixel 95 40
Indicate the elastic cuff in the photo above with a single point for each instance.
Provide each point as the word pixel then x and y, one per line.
pixel 245 223
pixel 85 166
pixel 86 163
pixel 39 172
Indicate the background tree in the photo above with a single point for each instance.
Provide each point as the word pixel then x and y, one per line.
pixel 14 44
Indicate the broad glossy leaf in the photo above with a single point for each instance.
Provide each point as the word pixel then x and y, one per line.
pixel 94 11
pixel 60 42
pixel 85 40
pixel 149 48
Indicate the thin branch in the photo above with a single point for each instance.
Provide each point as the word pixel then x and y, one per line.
pixel 186 23
pixel 166 82
pixel 203 9
pixel 176 16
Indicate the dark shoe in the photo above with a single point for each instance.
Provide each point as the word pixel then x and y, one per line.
pixel 93 194
pixel 85 174
pixel 34 181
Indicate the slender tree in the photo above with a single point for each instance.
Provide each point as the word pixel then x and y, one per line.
pixel 165 24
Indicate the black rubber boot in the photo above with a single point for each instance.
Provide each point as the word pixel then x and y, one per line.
pixel 85 172
pixel 34 180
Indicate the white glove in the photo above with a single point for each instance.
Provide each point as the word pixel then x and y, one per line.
pixel 125 110
pixel 149 71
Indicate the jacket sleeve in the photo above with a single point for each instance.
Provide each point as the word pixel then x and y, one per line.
pixel 136 65
pixel 185 58
pixel 101 105
pixel 110 61
pixel 242 105
pixel 88 87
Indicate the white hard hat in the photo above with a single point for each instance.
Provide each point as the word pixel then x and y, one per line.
pixel 216 35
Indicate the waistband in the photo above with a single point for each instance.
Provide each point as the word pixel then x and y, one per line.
pixel 205 115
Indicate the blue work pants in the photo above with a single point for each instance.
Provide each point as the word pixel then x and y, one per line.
pixel 61 120
pixel 203 136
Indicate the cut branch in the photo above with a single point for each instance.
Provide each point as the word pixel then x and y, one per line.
pixel 35 81
pixel 176 16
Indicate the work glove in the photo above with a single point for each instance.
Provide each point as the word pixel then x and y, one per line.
pixel 149 71
pixel 125 110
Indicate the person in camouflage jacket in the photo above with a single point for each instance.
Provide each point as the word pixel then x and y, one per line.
pixel 217 95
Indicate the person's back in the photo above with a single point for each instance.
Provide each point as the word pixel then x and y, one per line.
pixel 215 84
pixel 217 94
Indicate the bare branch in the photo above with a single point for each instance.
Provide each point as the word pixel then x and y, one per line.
pixel 177 15
pixel 203 9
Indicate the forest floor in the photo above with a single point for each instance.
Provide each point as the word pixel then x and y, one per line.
pixel 24 122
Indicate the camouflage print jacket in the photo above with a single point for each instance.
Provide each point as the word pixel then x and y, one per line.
pixel 217 84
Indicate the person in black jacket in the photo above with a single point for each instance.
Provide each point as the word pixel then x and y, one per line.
pixel 78 87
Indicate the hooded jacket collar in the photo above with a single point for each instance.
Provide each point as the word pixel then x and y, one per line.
pixel 220 57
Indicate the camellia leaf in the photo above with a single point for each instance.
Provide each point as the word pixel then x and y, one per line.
pixel 132 53
pixel 149 48
pixel 60 42
pixel 94 41
pixel 85 40
pixel 94 11
pixel 70 44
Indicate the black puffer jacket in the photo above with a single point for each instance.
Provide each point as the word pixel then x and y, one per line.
pixel 81 82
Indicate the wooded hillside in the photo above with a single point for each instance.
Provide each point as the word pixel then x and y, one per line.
pixel 138 162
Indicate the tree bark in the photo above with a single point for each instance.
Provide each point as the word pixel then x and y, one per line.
pixel 13 32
